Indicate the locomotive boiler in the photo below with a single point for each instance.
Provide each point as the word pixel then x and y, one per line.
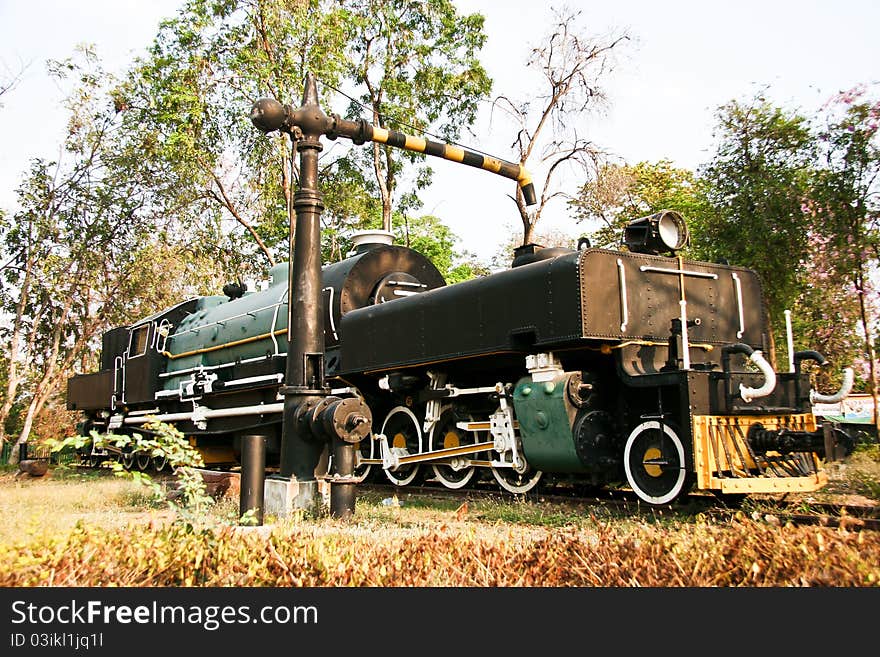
pixel 631 366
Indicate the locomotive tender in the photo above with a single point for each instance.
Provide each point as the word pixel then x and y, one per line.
pixel 596 365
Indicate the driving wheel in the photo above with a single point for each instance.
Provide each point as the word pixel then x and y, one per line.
pixel 654 460
pixel 445 435
pixel 402 430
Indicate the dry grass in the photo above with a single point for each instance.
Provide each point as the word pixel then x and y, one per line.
pixel 41 508
pixel 92 530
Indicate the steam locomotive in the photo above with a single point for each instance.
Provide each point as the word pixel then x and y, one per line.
pixel 629 366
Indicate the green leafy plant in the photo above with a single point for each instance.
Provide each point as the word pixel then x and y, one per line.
pixel 162 441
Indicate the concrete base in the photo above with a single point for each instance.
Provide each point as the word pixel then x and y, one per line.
pixel 284 496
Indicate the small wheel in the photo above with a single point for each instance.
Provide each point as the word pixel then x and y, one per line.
pixel 142 461
pixel 654 461
pixel 404 434
pixel 445 435
pixel 517 480
pixel 127 460
pixel 95 458
pixel 160 463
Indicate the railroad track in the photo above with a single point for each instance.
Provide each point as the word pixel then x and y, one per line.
pixel 775 512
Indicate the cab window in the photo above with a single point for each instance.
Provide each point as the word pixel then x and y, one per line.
pixel 137 345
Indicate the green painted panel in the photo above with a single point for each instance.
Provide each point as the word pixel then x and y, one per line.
pixel 222 331
pixel 545 426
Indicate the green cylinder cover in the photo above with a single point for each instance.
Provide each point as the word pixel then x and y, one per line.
pixel 545 419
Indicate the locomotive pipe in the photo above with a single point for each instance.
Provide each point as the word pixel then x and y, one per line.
pixel 304 375
pixel 789 340
pixel 746 393
pixel 342 487
pixel 344 422
pixel 808 354
pixel 845 388
pixel 306 398
pixel 268 115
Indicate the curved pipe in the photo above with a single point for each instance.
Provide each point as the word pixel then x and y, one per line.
pixel 845 388
pixel 809 354
pixel 738 348
pixel 748 394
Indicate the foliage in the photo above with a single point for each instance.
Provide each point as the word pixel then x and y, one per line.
pixel 795 199
pixel 186 108
pixel 187 104
pixel 163 441
pixel 756 183
pixel 416 69
pixel 69 247
pixel 845 209
pixel 434 240
pixel 739 552
pixel 620 193
pixel 862 472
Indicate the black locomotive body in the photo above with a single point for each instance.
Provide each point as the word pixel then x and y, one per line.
pixel 598 366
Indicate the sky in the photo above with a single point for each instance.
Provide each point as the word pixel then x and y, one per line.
pixel 683 60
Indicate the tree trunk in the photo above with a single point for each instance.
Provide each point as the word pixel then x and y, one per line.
pixel 869 350
pixel 384 188
pixel 13 378
pixel 25 431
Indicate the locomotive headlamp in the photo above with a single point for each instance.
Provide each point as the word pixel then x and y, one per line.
pixel 663 232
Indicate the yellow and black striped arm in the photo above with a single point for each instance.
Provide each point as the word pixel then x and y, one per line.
pixel 267 114
pixel 457 154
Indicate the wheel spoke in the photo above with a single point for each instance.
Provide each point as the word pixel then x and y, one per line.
pixel 517 481
pixel 143 461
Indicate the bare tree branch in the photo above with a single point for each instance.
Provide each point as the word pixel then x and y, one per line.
pixel 572 68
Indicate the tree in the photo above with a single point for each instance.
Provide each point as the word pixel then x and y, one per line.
pixel 186 107
pixel 825 315
pixel 571 69
pixel 756 183
pixel 416 64
pixel 846 209
pixel 9 80
pixel 620 193
pixel 77 252
pixel 75 220
pixel 436 241
pixel 546 237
